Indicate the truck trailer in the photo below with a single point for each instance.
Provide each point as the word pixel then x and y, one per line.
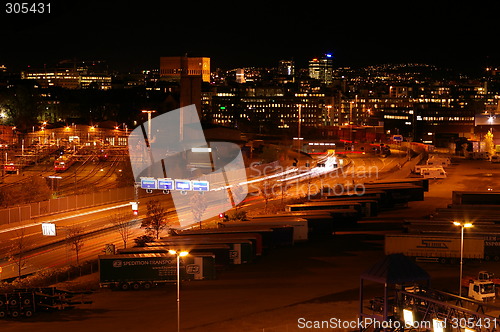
pixel 135 271
pixel 436 248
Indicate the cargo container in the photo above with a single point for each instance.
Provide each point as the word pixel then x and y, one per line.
pixel 398 193
pixel 321 223
pixel 369 206
pixel 424 183
pixel 476 197
pixel 325 206
pixel 241 250
pixel 272 236
pixel 433 247
pixel 135 271
pixel 221 251
pixel 300 226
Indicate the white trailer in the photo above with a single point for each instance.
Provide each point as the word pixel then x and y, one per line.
pixel 433 172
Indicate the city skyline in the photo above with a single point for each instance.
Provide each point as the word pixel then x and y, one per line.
pixel 134 36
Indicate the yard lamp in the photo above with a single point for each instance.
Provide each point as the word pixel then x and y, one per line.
pixel 462 227
pixel 178 254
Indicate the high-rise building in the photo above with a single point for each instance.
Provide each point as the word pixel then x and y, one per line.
pixel 322 69
pixel 286 68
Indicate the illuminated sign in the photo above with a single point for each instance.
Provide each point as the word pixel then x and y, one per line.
pixel 182 184
pixel 149 183
pixel 48 229
pixel 200 185
pixel 165 184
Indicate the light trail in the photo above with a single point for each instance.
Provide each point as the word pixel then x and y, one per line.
pixel 66 217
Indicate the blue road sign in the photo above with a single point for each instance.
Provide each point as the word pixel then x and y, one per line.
pixel 182 184
pixel 165 184
pixel 200 185
pixel 149 183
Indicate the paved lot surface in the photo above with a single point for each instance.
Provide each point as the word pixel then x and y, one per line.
pixel 318 280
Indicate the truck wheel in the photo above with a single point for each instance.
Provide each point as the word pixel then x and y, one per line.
pixel 136 286
pixel 2 314
pixel 496 258
pixel 1 303
pixel 13 302
pixel 442 260
pixel 28 313
pixel 147 285
pixel 124 286
pixel 487 258
pixel 27 301
pixel 14 314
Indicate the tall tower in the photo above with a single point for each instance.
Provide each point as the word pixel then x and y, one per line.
pixel 190 72
pixel 322 69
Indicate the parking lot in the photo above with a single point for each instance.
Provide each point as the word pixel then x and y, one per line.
pixel 311 281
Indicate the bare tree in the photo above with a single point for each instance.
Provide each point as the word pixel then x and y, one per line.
pixel 74 238
pixel 266 190
pixel 155 221
pixel 19 247
pixel 123 224
pixel 199 204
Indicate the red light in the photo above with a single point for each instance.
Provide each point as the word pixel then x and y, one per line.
pixel 221 215
pixel 136 212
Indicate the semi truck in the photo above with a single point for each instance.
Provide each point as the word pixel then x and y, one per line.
pixel 135 271
pixel 481 287
pixel 436 248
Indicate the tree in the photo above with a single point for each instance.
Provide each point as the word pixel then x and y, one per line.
pixel 199 205
pixel 266 190
pixel 19 247
pixel 155 221
pixel 489 144
pixel 21 103
pixel 74 238
pixel 123 224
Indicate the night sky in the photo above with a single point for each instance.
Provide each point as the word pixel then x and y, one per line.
pixel 134 34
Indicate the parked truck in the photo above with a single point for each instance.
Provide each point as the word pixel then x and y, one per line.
pixel 436 248
pixel 135 271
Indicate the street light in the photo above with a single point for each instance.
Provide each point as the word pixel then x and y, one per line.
pixel 462 227
pixel 149 122
pixel 179 254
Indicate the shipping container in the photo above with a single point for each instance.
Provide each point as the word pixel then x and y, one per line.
pixel 485 197
pixel 272 236
pixel 300 226
pixel 242 250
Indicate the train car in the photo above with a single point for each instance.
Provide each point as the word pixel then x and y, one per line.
pixel 63 163
pixel 103 155
pixel 11 168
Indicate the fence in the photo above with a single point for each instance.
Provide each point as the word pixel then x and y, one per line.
pixel 64 204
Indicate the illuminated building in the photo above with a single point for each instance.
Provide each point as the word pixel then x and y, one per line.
pixel 322 69
pixel 67 79
pixel 171 68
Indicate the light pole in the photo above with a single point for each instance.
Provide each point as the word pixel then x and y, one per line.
pixel 149 122
pixel 462 227
pixel 178 254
